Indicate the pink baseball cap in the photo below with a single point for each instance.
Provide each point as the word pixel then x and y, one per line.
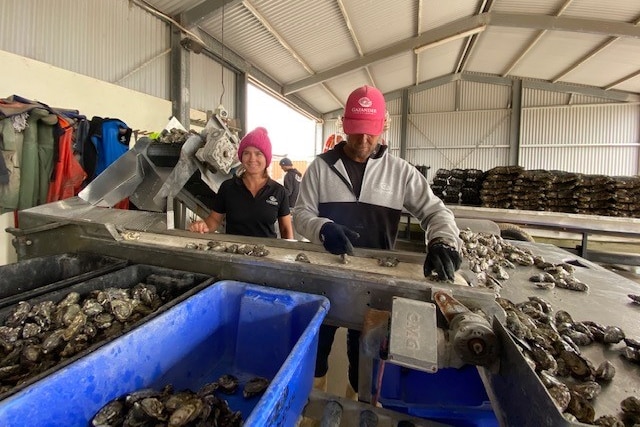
pixel 365 112
pixel 257 138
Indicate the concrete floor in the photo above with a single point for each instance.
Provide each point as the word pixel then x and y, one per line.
pixel 337 377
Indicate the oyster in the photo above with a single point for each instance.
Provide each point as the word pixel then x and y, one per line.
pixel 245 249
pixel 388 262
pixel 111 414
pixel 232 248
pixel 186 412
pixel 121 309
pixel 579 366
pixel 631 342
pixel 9 334
pixel 605 371
pixel 581 408
pixel 260 251
pixel 589 389
pixel 613 334
pixel 228 384
pixel 92 307
pixel 608 421
pixel 632 354
pixel 631 404
pixel 71 298
pixel 216 246
pixel 153 408
pixel 18 314
pixel 255 386
pixel 302 257
pixel 561 396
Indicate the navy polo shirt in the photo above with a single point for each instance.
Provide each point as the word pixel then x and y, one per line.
pixel 247 215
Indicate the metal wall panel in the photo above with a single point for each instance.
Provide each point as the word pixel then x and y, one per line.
pixel 477 96
pixel 541 98
pixel 602 139
pixel 441 98
pixel 107 40
pixel 613 161
pixel 477 136
pixel 460 133
pixel 208 85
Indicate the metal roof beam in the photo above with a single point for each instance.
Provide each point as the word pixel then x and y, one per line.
pixel 583 90
pixel 562 23
pixel 540 22
pixel 204 11
pixel 585 58
pixel 239 64
pixel 431 36
pixel 471 41
pixel 622 80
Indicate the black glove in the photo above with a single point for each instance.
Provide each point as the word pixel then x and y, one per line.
pixel 443 259
pixel 337 238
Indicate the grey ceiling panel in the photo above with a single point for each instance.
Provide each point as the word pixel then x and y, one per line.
pixel 320 50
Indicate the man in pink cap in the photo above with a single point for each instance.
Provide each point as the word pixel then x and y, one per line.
pixel 353 195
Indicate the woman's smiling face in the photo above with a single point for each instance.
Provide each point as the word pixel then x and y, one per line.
pixel 253 160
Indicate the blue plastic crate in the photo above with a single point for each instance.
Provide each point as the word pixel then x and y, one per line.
pixel 229 327
pixel 452 396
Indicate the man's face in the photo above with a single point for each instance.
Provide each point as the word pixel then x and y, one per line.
pixel 360 146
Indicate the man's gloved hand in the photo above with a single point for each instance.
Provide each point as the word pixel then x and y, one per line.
pixel 337 238
pixel 443 259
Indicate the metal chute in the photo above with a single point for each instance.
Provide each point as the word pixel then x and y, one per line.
pixel 149 183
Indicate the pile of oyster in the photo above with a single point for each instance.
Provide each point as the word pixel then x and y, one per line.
pixel 243 249
pixel 551 342
pixel 206 407
pixel 36 337
pixel 490 257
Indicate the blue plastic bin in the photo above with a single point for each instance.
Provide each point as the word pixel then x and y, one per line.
pixel 452 396
pixel 229 327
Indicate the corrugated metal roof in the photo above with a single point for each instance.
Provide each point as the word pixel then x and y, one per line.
pixel 320 50
pixel 324 44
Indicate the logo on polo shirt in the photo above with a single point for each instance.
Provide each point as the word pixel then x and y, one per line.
pixel 272 201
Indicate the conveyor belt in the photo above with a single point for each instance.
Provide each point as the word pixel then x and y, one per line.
pixel 515 390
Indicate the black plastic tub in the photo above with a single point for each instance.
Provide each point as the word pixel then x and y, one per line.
pixel 174 285
pixel 32 277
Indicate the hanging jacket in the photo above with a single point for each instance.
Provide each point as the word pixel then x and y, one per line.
pixel 108 140
pixel 68 174
pixel 36 164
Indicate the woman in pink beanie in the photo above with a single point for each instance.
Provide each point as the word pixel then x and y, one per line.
pixel 251 201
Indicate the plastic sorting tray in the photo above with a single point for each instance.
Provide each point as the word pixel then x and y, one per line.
pixel 229 327
pixel 32 277
pixel 453 396
pixel 176 284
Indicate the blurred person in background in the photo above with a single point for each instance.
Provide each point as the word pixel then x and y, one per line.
pixel 250 202
pixel 292 179
pixel 353 195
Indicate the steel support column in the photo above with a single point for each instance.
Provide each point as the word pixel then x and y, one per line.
pixel 514 132
pixel 180 79
pixel 404 120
